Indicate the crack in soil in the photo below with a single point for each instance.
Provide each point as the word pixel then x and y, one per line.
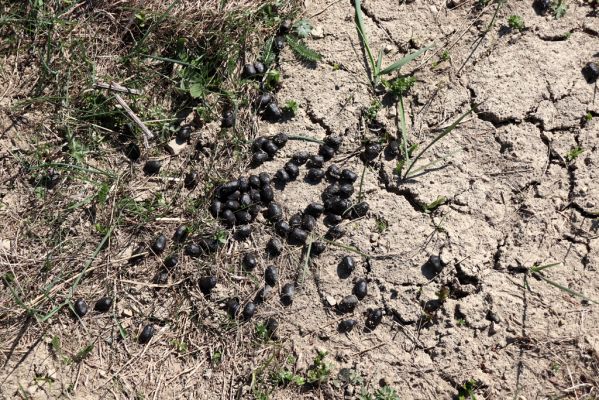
pixel 316 120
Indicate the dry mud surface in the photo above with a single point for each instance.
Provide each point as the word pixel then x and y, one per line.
pixel 513 201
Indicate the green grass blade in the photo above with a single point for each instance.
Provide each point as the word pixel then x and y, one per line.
pixel 303 51
pixel 404 132
pixel 542 267
pixel 400 63
pixel 379 61
pixel 363 37
pixel 565 289
pixel 435 140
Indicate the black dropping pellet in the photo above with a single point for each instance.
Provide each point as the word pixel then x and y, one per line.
pixel 392 149
pixel 371 151
pixel 360 288
pixel 348 176
pixel 279 43
pixel 244 184
pixel 359 210
pixel 249 310
pixel 103 304
pixel 314 209
pixel 193 250
pixel 226 189
pixel 181 234
pixel 317 248
pixel 259 157
pixel 216 208
pixel 80 307
pixel 254 181
pixel 191 180
pixel 235 196
pixel 228 119
pixel 347 325
pixel 258 143
pixel 184 134
pixel 298 236
pixel 285 26
pixel 264 178
pixel 292 170
pixel 273 112
pixel 591 72
pixel 274 247
pixel 315 162
pixel 274 212
pixel 270 148
pixel 255 195
pixel 333 141
pixel 271 275
pixel 348 303
pixel 334 233
pixel 228 217
pixel 232 205
pixel 146 334
pixel 301 157
pixel 208 245
pixel 287 294
pixel 347 265
pixel 333 172
pixel 246 199
pixel 232 306
pixel 282 228
pixel 346 190
pixel 206 284
pixel 374 318
pixel 308 223
pixel 282 176
pixel 243 232
pixel 254 210
pixel 248 71
pixel 327 152
pixel 138 255
pixel 332 219
pixel 295 220
pixel 171 261
pixel 435 263
pixel 242 218
pixel 161 277
pixel 249 261
pixel 315 175
pixel 262 294
pixel 132 152
pixel 152 167
pixel 267 195
pixel 272 326
pixel 337 205
pixel 259 67
pixel 331 191
pixel 280 139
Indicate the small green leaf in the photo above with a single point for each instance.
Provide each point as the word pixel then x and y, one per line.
pixel 197 90
pixel 303 51
pixel 303 28
pixel 400 63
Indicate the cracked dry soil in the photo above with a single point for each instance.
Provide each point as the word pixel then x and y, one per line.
pixel 513 200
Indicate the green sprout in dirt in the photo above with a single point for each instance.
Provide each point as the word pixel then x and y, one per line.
pixel 301 31
pixel 574 153
pixel 559 8
pixel 376 67
pixel 320 370
pixel 466 391
pixel 515 22
pixel 291 107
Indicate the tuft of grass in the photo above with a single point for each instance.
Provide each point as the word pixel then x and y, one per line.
pixel 573 153
pixel 376 69
pixel 537 271
pixel 515 22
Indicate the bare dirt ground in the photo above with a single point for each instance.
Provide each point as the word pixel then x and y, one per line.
pixel 515 198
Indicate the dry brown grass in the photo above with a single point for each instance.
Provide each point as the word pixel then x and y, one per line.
pixel 73 239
